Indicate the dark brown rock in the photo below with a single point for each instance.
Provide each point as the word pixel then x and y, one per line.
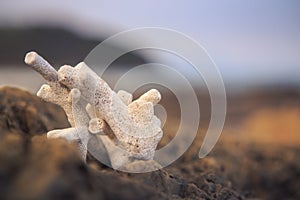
pixel 34 167
pixel 25 113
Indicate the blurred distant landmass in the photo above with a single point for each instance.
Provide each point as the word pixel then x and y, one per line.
pixel 58 45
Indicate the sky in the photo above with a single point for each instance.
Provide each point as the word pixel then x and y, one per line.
pixel 250 40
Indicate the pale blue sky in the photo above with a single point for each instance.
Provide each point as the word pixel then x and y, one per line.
pixel 250 40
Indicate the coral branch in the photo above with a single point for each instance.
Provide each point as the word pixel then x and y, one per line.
pixel 125 97
pixel 128 129
pixel 53 92
pixel 136 128
pixel 40 65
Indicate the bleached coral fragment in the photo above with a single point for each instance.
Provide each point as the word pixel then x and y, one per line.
pixel 128 129
pixel 97 126
pixel 132 125
pixel 125 97
pixel 41 66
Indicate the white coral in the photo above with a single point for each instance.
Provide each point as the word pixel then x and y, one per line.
pixel 92 107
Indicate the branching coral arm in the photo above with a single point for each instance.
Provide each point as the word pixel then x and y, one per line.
pixel 54 92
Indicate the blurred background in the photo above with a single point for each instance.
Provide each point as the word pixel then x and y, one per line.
pixel 255 45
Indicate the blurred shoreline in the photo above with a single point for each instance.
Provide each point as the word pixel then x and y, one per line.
pixel 24 77
pixel 21 77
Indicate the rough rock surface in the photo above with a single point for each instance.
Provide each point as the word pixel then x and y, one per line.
pixel 24 113
pixel 34 167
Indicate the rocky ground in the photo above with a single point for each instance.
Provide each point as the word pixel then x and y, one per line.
pixel 34 167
